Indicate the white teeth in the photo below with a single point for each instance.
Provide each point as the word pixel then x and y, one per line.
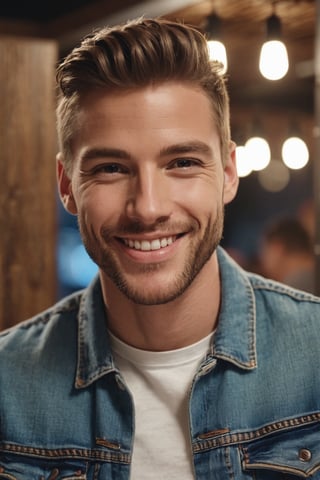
pixel 146 245
pixel 155 245
pixel 163 242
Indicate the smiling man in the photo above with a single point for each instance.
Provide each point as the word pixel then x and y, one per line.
pixel 149 192
pixel 174 363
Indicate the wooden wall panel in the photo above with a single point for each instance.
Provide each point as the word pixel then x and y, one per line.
pixel 27 178
pixel 316 167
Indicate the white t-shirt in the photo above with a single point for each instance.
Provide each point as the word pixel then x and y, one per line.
pixel 160 383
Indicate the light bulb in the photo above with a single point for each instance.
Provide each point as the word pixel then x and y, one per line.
pixel 295 153
pixel 274 63
pixel 243 164
pixel 217 52
pixel 258 153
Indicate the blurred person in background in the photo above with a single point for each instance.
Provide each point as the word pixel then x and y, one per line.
pixel 287 254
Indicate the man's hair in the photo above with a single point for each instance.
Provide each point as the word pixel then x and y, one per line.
pixel 139 53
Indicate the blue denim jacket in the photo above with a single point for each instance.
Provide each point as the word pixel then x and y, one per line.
pixel 65 412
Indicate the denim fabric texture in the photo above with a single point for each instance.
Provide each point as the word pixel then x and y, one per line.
pixel 65 411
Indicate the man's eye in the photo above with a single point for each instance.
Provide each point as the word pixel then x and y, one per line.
pixel 109 168
pixel 184 163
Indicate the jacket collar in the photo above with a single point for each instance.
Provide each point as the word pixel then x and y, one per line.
pixel 234 340
pixel 94 351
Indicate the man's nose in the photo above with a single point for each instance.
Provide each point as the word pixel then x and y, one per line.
pixel 149 199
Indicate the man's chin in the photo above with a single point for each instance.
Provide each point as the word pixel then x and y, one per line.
pixel 151 297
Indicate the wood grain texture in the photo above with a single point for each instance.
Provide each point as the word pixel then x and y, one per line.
pixel 27 178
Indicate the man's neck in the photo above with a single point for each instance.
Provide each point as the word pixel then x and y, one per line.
pixel 181 322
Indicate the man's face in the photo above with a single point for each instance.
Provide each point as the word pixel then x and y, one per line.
pixel 149 187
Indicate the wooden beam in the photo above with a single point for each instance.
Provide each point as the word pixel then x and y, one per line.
pixel 27 178
pixel 317 151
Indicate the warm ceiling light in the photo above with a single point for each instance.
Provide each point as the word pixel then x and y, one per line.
pixel 217 50
pixel 273 63
pixel 295 153
pixel 258 153
pixel 243 164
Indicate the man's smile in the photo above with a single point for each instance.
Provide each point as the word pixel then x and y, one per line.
pixel 147 245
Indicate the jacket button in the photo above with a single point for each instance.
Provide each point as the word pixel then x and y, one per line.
pixel 305 455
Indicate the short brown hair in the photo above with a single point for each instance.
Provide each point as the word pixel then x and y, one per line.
pixel 136 54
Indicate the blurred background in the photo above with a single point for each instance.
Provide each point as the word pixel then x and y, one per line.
pixel 269 105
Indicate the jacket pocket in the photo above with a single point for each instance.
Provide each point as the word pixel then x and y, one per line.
pixel 290 454
pixel 24 468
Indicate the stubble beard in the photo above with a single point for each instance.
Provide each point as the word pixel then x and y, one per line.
pixel 200 252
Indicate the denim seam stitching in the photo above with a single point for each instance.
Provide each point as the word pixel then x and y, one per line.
pixel 72 453
pixel 244 437
pixel 286 290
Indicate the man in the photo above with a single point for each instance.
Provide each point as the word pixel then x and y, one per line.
pixel 174 363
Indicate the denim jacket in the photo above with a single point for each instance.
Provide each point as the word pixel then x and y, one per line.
pixel 65 412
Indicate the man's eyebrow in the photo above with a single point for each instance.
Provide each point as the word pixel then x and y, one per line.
pixel 186 147
pixel 117 153
pixel 104 152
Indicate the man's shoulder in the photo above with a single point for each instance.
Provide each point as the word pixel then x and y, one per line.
pixel 286 306
pixel 39 354
pixel 29 333
pixel 261 290
pixel 273 289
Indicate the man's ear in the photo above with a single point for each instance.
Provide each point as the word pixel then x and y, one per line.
pixel 65 186
pixel 231 179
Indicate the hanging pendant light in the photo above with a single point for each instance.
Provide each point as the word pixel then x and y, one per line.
pixel 274 62
pixel 243 163
pixel 257 148
pixel 295 153
pixel 258 152
pixel 217 50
